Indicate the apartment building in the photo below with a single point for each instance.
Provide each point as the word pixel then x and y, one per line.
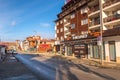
pixel 90 29
pixel 71 28
pixel 104 25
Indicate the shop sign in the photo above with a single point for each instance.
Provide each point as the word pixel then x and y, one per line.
pixel 80 49
pixel 81 36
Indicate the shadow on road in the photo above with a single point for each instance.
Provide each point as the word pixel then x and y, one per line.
pixel 57 68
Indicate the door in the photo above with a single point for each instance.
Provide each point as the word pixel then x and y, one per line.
pixel 112 51
pixel 70 51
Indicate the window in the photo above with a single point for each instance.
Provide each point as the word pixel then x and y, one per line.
pixel 65 20
pixel 61 29
pixel 72 15
pixel 84 10
pixel 57 31
pixel 61 22
pixel 62 38
pixel 57 38
pixel 72 26
pixel 84 21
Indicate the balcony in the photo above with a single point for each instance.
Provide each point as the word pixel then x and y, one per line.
pixel 93 10
pixel 111 32
pixel 94 23
pixel 66 31
pixel 113 19
pixel 110 2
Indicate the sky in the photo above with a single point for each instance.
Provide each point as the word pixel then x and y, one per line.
pixel 22 18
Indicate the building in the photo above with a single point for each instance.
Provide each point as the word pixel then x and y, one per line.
pixel 104 21
pixel 46 46
pixel 72 28
pixel 31 43
pixel 10 45
pixel 36 44
pixel 89 29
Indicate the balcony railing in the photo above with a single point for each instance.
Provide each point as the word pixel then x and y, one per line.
pixel 93 9
pixel 110 2
pixel 67 31
pixel 111 32
pixel 112 18
pixel 94 23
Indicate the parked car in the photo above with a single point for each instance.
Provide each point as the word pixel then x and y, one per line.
pixel 12 51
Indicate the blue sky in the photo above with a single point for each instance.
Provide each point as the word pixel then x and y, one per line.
pixel 22 18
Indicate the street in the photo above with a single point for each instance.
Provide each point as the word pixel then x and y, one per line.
pixel 13 69
pixel 55 68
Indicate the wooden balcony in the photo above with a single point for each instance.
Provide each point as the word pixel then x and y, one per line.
pixel 110 2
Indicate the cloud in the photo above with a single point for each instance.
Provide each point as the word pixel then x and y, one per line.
pixel 13 23
pixel 45 25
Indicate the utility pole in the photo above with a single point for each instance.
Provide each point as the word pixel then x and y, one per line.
pixel 101 28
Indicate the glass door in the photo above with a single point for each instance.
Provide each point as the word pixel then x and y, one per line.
pixel 112 51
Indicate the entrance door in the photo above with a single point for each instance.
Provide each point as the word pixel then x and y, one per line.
pixel 112 51
pixel 69 51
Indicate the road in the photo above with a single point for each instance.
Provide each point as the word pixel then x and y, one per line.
pixel 12 69
pixel 55 68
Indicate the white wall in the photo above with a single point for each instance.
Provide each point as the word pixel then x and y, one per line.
pixel 117 45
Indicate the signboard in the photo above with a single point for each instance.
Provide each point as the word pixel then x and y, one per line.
pixel 80 49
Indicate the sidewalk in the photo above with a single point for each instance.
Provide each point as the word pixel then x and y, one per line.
pixel 12 69
pixel 78 60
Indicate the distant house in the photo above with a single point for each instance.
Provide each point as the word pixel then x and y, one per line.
pixel 10 45
pixel 46 45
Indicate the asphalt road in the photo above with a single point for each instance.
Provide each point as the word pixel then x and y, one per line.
pixel 55 68
pixel 12 69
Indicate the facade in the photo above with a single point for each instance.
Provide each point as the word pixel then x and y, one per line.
pixel 104 20
pixel 46 45
pixel 36 44
pixel 31 43
pixel 90 29
pixel 71 27
pixel 10 45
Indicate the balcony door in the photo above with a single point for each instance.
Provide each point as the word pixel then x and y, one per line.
pixel 112 51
